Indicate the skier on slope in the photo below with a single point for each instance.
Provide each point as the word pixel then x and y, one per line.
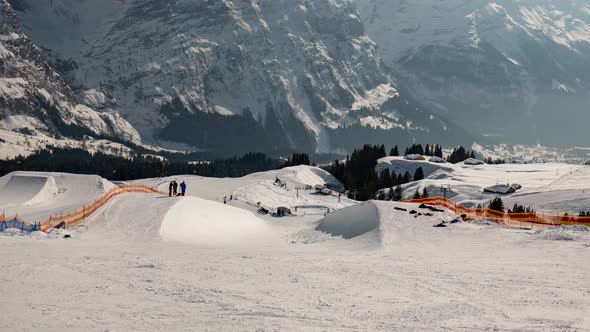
pixel 183 188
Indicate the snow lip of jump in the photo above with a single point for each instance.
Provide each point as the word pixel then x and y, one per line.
pixel 197 221
pixel 49 190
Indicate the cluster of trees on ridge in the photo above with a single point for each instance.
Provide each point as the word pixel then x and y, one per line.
pixel 137 167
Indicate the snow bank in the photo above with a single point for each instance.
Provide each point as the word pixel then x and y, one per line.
pixel 563 233
pixel 351 222
pixel 473 162
pixel 198 221
pixel 400 165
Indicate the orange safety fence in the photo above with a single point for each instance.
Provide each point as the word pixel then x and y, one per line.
pixel 76 217
pixel 520 220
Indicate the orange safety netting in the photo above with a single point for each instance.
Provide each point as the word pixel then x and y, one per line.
pixel 76 217
pixel 534 219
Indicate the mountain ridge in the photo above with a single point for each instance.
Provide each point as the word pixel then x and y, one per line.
pixel 233 75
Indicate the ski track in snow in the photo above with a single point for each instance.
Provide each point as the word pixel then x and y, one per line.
pixel 117 274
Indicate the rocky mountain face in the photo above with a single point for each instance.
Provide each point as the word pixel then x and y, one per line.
pixel 517 70
pixel 34 100
pixel 230 75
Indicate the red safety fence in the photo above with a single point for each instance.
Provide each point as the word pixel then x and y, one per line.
pixel 76 217
pixel 534 219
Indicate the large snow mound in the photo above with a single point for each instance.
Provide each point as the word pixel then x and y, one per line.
pixel 198 221
pixel 384 224
pixel 351 222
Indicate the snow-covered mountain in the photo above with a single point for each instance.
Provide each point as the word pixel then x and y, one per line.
pixel 518 69
pixel 235 75
pixel 34 100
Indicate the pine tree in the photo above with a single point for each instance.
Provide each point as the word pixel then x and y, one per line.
pixel 438 152
pixel 416 195
pixel 419 174
pixel 398 195
pixel 407 178
pixel 385 178
pixel 425 193
pixel 497 205
pixel 394 152
pixel 390 194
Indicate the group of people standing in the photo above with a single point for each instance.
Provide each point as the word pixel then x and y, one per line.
pixel 173 189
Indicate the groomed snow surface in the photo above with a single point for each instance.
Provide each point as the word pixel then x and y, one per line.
pixel 158 263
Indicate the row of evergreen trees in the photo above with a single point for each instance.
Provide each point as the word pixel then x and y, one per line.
pixel 498 205
pixel 297 159
pixel 434 151
pixel 136 167
pixel 460 154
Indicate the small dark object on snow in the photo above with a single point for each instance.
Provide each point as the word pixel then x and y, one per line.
pixel 67 236
pixel 400 209
pixel 431 208
pixel 463 216
pixel 456 220
pixel 263 211
pixel 429 214
pixel 61 225
pixel 283 211
pixel 442 224
pixel 413 212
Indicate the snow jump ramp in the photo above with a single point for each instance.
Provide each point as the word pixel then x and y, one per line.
pixel 382 224
pixel 351 222
pixel 26 190
pixel 197 221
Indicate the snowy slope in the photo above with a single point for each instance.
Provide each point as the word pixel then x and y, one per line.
pixel 401 274
pixel 547 187
pixel 272 74
pixel 514 70
pixel 261 188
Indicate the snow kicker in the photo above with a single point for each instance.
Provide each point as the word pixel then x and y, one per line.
pixel 76 217
pixel 516 220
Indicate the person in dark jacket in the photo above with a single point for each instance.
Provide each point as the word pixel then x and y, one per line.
pixel 170 187
pixel 183 188
pixel 174 188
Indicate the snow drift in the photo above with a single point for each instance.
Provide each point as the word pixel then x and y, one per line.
pixel 198 221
